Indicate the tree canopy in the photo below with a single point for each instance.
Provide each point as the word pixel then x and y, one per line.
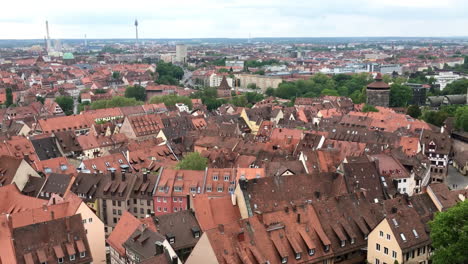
pixel 117 101
pixel 169 73
pixel 461 118
pixel 369 108
pixel 66 103
pixel 400 95
pixel 449 234
pixel 413 111
pixel 456 87
pixel 9 97
pixel 193 161
pixel 138 92
pixel 171 100
pixel 256 63
pixel 321 84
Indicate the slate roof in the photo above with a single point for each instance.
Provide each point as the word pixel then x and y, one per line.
pixel 181 225
pixel 46 148
pixel 48 241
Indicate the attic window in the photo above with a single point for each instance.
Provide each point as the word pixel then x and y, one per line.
pixel 298 255
pixel 284 260
pixel 343 243
pixel 311 251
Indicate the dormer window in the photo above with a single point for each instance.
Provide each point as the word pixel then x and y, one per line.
pixel 298 255
pixel 311 251
pixel 343 243
pixel 284 260
pixel 60 260
pixel 83 254
pixel 195 232
pixel 327 248
pixel 72 257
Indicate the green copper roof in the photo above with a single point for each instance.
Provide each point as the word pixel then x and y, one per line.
pixel 68 56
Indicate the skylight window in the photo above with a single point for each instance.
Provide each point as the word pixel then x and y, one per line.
pixel 415 233
pixel 403 237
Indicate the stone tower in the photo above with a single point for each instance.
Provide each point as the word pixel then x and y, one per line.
pixel 378 92
pixel 224 90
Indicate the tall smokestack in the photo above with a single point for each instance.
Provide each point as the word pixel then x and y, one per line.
pixel 136 30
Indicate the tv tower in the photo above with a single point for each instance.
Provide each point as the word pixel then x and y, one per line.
pixel 48 36
pixel 136 30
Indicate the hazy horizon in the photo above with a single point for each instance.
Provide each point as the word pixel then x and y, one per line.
pixel 234 19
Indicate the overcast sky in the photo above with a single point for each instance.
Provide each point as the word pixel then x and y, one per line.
pixel 25 19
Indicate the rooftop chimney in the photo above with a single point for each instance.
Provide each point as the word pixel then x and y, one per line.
pixel 241 236
pixel 123 176
pixel 298 218
pixel 221 228
pixel 112 175
pixel 159 248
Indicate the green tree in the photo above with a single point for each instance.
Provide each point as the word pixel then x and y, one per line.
pixel 413 111
pixel 168 73
pixel 252 86
pixel 171 100
pixel 193 161
pixel 40 99
pixel 9 97
pixel 400 95
pixel 330 92
pixel 117 101
pixel 66 103
pixel 270 91
pixel 449 235
pixel 213 103
pixel 456 87
pixel 239 101
pixel 253 97
pixel 223 70
pixel 436 118
pixel 116 75
pixel 369 108
pixel 461 118
pixel 136 91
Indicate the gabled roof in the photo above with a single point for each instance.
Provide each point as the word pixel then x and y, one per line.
pixel 213 210
pixel 122 231
pixel 224 84
pixel 181 225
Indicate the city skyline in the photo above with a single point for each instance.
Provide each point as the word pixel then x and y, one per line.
pixel 236 19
